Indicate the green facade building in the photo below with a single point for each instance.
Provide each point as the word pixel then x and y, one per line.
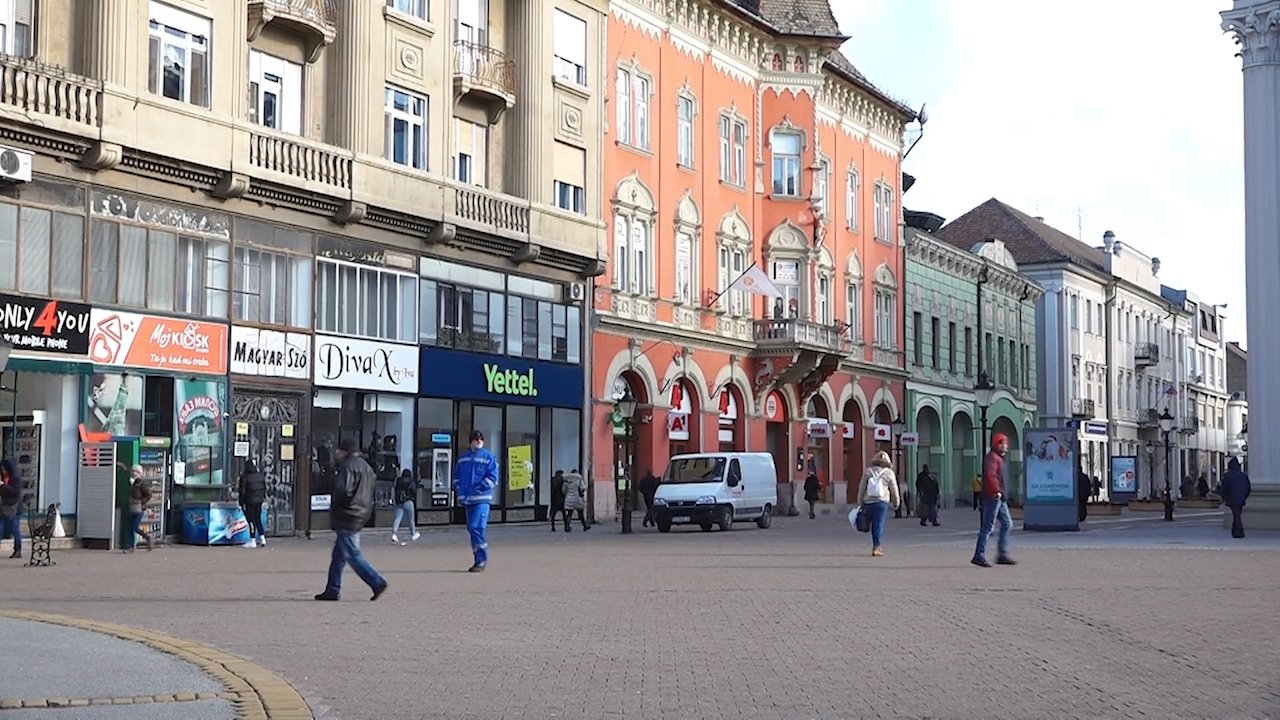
pixel 949 347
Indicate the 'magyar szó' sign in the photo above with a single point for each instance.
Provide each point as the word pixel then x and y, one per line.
pixel 366 365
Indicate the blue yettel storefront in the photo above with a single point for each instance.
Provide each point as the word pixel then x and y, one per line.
pixel 499 379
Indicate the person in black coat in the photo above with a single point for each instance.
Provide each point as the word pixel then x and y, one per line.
pixel 1235 491
pixel 557 498
pixel 927 490
pixel 253 492
pixel 812 486
pixel 648 491
pixel 1083 488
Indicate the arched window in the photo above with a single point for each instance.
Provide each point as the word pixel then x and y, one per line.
pixel 853 298
pixel 688 232
pixel 886 303
pixel 631 257
pixel 733 253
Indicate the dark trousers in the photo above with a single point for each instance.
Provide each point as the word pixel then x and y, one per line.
pixel 253 513
pixel 811 502
pixel 648 512
pixel 554 515
pixel 929 512
pixel 977 501
pixel 568 515
pixel 135 522
pixel 9 526
pixel 1237 522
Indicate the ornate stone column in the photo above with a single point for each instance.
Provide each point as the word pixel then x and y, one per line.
pixel 528 175
pixel 1256 27
pixel 354 97
pixel 108 40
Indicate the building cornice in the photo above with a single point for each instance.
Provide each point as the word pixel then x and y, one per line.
pixel 931 252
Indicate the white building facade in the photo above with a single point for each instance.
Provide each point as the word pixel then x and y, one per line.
pixel 1203 388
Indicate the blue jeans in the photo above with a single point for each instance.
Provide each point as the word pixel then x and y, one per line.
pixel 9 526
pixel 877 512
pixel 346 551
pixel 135 520
pixel 477 523
pixel 993 508
pixel 403 510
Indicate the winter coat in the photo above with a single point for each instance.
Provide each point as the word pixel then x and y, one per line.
pixel 352 504
pixel 10 492
pixel 927 488
pixel 253 489
pixel 649 488
pixel 811 488
pixel 995 474
pixel 557 492
pixel 139 495
pixel 887 478
pixel 476 477
pixel 575 487
pixel 1235 486
pixel 406 489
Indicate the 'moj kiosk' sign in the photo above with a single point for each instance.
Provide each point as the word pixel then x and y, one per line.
pixel 157 343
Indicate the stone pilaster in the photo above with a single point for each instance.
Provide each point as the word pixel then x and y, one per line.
pixel 108 40
pixel 1256 27
pixel 353 92
pixel 528 174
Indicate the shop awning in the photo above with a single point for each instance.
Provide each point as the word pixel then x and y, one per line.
pixel 56 367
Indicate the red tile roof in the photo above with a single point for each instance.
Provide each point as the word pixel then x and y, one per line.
pixel 1031 241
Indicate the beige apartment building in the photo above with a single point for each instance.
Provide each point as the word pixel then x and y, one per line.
pixel 253 228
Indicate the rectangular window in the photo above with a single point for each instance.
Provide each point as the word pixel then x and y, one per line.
pixel 641 279
pixel 853 310
pixel 622 99
pixel 737 298
pixel 951 347
pixel 570 40
pixel 886 221
pixel 16 27
pixel 178 55
pixel 416 8
pixel 406 128
pixel 684 268
pixel 569 165
pixel 364 301
pixel 275 93
pixel 824 300
pixel 470 153
pixel 740 152
pixel 642 93
pixel 733 150
pixel 159 270
pixel 785 147
pixel 621 253
pixel 851 200
pixel 684 131
pixel 726 148
pixel 822 177
pixel 935 341
pixel 968 351
pixel 1088 316
pixel 265 287
pixel 917 339
pixel 1074 305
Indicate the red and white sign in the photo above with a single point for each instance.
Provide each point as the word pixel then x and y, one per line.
pixel 157 343
pixel 909 439
pixel 728 416
pixel 681 409
pixel 774 408
pixel 819 428
pixel 849 430
pixel 884 433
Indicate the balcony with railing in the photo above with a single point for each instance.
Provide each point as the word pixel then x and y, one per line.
pixel 36 92
pixel 1149 418
pixel 1190 424
pixel 1083 408
pixel 1145 354
pixel 501 214
pixel 486 74
pixel 298 158
pixel 792 333
pixel 314 20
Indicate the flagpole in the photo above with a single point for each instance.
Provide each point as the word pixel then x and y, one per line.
pixel 730 285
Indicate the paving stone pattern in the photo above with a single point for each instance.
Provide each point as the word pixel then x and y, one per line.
pixel 1135 620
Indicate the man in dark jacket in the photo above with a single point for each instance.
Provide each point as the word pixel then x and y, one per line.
pixel 10 497
pixel 812 489
pixel 648 491
pixel 927 491
pixel 350 509
pixel 1235 490
pixel 253 492
pixel 995 479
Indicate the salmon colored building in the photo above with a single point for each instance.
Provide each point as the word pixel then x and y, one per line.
pixel 739 135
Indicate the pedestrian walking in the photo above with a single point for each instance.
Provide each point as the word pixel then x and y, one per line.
pixel 557 499
pixel 812 486
pixel 1082 495
pixel 995 480
pixel 474 481
pixel 977 493
pixel 139 496
pixel 1097 489
pixel 406 493
pixel 253 492
pixel 350 508
pixel 575 492
pixel 877 492
pixel 927 492
pixel 649 491
pixel 1235 490
pixel 1202 486
pixel 10 496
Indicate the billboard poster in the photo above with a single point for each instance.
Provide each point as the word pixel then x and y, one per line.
pixel 201 430
pixel 1050 466
pixel 115 404
pixel 1124 474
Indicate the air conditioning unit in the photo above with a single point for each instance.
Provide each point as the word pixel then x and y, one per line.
pixel 15 165
pixel 575 292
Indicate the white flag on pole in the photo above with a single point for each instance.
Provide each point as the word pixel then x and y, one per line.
pixel 754 281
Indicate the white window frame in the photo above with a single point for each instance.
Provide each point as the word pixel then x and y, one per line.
pixel 851 198
pixel 413 120
pixel 853 308
pixel 786 165
pixel 622 84
pixel 641 256
pixel 622 252
pixel 570 197
pixel 420 9
pixel 885 320
pixel 632 93
pixel 569 38
pixel 824 304
pixel 733 149
pixel 792 296
pixel 686 111
pixel 725 129
pixel 885 220
pixel 685 260
pixel 821 186
pixel 475 170
pixel 171 28
pixel 270 75
pixel 332 291
pixel 17 28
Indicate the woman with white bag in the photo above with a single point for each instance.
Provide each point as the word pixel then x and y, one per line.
pixel 877 494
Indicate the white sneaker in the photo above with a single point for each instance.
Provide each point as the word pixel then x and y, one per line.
pixel 262 542
pixel 394 540
pixel 416 535
pixel 251 543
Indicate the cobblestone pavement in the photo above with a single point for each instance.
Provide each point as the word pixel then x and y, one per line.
pixel 1131 619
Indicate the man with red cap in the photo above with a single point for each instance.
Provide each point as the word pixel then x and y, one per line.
pixel 995 476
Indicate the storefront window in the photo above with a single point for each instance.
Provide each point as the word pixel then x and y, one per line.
pixel 42 249
pixel 520 458
pixel 382 424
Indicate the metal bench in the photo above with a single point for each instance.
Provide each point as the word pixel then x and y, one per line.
pixel 42 536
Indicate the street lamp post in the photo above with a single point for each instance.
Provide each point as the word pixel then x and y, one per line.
pixel 1166 426
pixel 982 393
pixel 627 405
pixel 1151 462
pixel 898 427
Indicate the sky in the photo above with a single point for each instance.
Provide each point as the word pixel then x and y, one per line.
pixel 1094 114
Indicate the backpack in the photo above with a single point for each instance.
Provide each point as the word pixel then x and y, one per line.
pixel 876 487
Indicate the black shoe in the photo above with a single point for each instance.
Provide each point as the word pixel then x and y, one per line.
pixel 17 553
pixel 378 593
pixel 327 596
pixel 921 523
pixel 980 562
pixel 476 568
pixel 937 524
pixel 1005 560
pixel 586 527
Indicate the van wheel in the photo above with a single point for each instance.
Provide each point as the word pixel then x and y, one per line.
pixel 664 526
pixel 766 518
pixel 706 526
pixel 726 518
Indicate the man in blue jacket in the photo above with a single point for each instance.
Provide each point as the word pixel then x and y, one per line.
pixel 474 481
pixel 1235 491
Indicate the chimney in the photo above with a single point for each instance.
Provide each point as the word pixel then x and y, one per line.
pixel 1109 242
pixel 1038 218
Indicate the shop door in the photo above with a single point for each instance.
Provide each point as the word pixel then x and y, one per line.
pixel 271 422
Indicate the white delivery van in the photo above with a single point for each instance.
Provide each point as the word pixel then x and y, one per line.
pixel 708 489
